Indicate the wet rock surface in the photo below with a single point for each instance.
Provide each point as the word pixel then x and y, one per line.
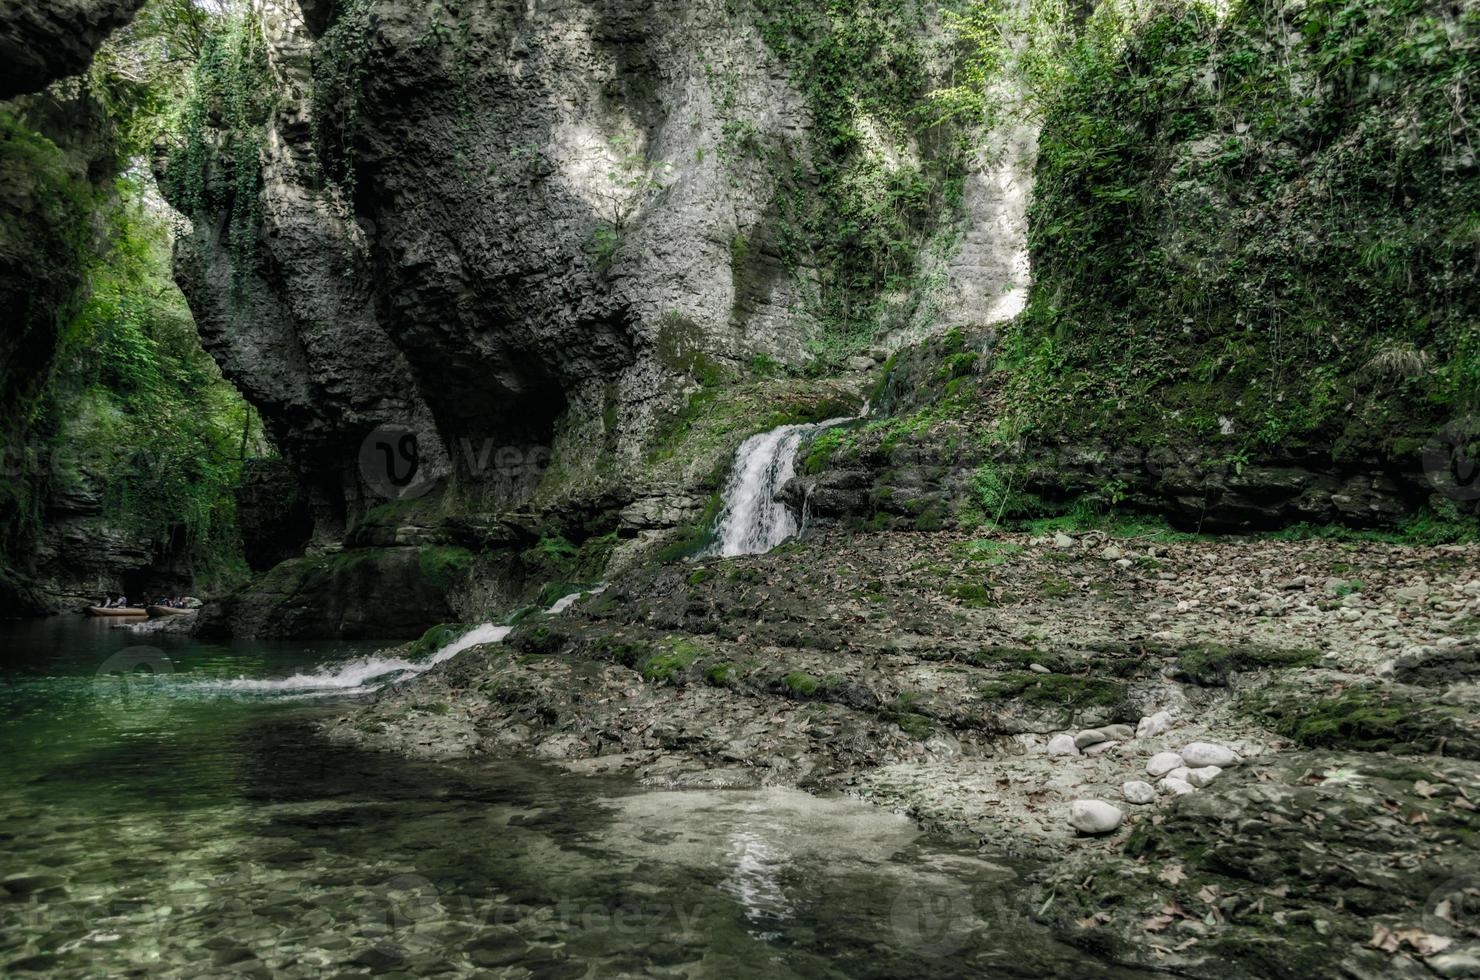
pixel 897 667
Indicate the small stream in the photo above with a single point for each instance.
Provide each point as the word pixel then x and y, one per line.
pixel 193 824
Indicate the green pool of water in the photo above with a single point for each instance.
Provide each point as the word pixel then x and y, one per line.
pixel 154 821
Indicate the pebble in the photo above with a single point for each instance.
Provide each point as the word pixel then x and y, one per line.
pixel 1138 791
pixel 1162 763
pixel 1154 724
pixel 1202 776
pixel 1181 772
pixel 1198 755
pixel 1062 541
pixel 1039 669
pixel 1094 816
pixel 1062 744
pixel 1177 787
pixel 1112 553
pixel 1119 733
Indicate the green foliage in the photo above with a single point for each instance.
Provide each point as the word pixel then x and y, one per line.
pixel 218 130
pixel 340 64
pixel 137 410
pixel 1255 230
pixel 880 175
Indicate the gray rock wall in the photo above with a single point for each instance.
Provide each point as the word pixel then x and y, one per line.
pixel 547 236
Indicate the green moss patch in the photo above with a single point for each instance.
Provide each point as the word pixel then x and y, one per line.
pixel 1055 690
pixel 1369 719
pixel 1214 666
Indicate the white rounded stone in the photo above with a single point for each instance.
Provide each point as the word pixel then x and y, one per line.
pixel 1163 762
pixel 1202 776
pixel 1138 791
pixel 1153 725
pixel 1094 816
pixel 1090 736
pixel 1177 787
pixel 1062 744
pixel 1198 755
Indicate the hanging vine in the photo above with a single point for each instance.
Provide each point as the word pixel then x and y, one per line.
pixel 216 169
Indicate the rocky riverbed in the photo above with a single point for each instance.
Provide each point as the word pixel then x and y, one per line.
pixel 930 673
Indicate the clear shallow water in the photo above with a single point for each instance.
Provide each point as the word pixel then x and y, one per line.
pixel 177 826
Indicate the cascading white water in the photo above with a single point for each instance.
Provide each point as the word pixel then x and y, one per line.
pixel 356 676
pixel 753 521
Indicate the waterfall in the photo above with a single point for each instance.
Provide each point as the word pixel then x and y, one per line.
pixel 753 520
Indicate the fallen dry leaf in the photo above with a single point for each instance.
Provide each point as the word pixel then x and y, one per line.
pixel 1157 923
pixel 1383 939
pixel 1424 943
pixel 1172 874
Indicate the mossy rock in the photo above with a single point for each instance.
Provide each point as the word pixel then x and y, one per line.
pixel 721 675
pixel 676 656
pixel 802 685
pixel 1214 666
pixel 1055 690
pixel 1369 719
pixel 541 639
pixel 436 638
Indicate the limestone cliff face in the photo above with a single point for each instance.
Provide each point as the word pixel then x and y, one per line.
pixel 525 231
